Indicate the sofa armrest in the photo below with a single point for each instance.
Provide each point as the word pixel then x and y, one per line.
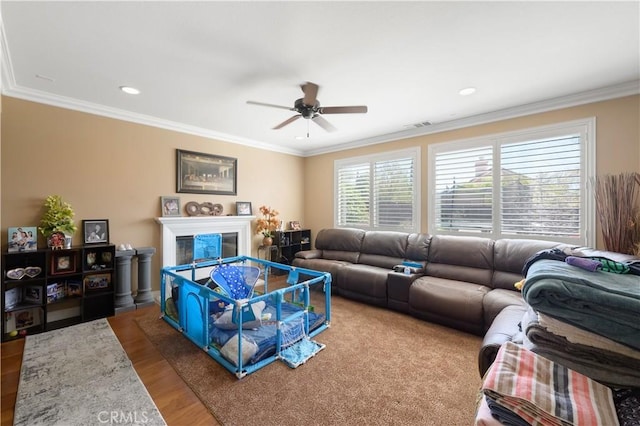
pixel 505 328
pixel 309 254
pixel 398 285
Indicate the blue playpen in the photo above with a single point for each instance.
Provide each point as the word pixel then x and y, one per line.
pixel 244 316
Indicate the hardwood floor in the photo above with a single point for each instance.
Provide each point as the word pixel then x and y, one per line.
pixel 175 400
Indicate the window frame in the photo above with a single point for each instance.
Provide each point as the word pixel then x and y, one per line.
pixel 371 159
pixel 583 127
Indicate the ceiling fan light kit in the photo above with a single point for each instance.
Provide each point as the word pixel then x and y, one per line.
pixel 309 107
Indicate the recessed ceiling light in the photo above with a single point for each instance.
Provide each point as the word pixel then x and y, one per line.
pixel 467 91
pixel 130 90
pixel 299 138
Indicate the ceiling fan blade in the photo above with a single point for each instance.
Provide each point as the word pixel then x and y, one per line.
pixel 356 109
pixel 310 91
pixel 320 121
pixel 288 121
pixel 270 105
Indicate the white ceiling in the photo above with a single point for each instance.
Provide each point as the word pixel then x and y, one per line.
pixel 197 63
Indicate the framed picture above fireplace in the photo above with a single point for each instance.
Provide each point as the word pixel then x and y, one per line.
pixel 200 173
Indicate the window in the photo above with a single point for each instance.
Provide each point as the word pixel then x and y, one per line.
pixel 378 192
pixel 529 184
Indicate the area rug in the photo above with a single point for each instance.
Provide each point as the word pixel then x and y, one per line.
pixel 379 368
pixel 81 375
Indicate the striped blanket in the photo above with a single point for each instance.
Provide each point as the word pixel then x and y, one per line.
pixel 541 392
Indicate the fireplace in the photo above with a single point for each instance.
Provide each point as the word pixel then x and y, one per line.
pixel 236 228
pixel 184 247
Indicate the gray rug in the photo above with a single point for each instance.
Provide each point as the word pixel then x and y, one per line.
pixel 81 375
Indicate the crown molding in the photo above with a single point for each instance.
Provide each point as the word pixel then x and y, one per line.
pixel 601 94
pixel 10 88
pixel 118 114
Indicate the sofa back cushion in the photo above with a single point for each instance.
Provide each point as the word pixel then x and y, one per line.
pixel 461 258
pixel 509 257
pixel 383 248
pixel 340 243
pixel 418 248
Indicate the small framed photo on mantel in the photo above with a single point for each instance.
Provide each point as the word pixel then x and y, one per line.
pixel 243 208
pixel 170 206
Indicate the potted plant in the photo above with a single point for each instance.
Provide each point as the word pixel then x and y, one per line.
pixel 267 225
pixel 58 218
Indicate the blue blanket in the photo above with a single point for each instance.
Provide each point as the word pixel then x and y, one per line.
pixel 265 335
pixel 601 302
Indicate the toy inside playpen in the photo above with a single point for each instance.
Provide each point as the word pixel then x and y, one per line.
pixel 228 307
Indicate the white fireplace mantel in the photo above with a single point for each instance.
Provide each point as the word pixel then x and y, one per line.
pixel 173 227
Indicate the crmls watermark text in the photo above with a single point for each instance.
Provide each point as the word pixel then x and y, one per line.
pixel 123 417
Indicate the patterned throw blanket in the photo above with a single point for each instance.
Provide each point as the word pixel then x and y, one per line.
pixel 523 385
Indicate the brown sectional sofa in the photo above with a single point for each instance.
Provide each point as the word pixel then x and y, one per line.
pixel 465 282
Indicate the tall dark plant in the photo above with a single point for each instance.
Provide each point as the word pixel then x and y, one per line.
pixel 618 211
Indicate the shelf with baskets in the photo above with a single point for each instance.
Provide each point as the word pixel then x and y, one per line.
pixel 47 289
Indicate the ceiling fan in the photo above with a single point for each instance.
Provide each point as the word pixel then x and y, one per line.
pixel 309 107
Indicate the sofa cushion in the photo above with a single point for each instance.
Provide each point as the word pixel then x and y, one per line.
pixel 363 282
pixel 505 328
pixel 468 259
pixel 379 261
pixel 323 265
pixel 498 299
pixel 340 243
pixel 510 256
pixel 418 248
pixel 383 248
pixel 340 255
pixel 459 300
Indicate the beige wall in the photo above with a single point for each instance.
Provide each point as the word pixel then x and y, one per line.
pixel 617 136
pixel 116 170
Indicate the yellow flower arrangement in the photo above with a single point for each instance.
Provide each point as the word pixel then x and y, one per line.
pixel 269 222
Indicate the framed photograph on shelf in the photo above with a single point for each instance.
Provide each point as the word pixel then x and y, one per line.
pixel 74 288
pixel 33 294
pixel 95 231
pixel 294 225
pixel 56 291
pixel 243 208
pixel 12 298
pixel 97 282
pixel 63 262
pixel 200 173
pixel 170 206
pixel 19 320
pixel 22 238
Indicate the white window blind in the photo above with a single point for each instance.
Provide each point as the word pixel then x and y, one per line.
pixel 464 183
pixel 530 184
pixel 378 192
pixel 540 187
pixel 354 188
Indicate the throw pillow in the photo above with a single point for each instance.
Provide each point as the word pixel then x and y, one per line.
pixel 230 350
pixel 225 321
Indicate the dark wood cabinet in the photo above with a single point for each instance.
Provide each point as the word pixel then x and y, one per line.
pixel 292 241
pixel 47 289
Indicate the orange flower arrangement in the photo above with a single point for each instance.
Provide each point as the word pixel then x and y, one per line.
pixel 269 222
